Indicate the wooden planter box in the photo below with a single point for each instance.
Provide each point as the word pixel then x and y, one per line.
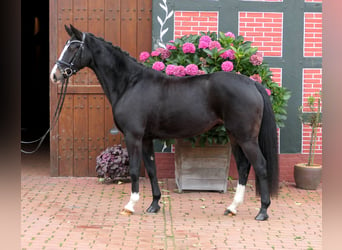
pixel 201 168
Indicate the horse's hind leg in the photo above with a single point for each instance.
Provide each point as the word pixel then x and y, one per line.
pixel 255 157
pixel 243 167
pixel 149 160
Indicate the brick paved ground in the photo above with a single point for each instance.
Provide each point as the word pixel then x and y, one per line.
pixel 80 213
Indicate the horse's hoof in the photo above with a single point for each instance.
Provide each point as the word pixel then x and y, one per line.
pixel 261 216
pixel 126 212
pixel 153 209
pixel 229 213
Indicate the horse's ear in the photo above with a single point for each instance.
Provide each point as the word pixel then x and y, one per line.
pixel 78 34
pixel 68 30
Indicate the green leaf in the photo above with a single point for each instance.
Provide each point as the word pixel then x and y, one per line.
pixel 209 52
pixel 209 60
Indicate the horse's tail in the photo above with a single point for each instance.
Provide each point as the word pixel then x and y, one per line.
pixel 268 142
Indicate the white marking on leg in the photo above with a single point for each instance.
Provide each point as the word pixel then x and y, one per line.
pixel 238 198
pixel 132 201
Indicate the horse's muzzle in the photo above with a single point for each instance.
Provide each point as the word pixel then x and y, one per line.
pixel 56 76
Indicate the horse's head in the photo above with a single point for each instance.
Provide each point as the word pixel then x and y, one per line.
pixel 72 58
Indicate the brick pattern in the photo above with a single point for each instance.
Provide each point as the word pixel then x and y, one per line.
pixel 312 84
pixel 80 213
pixel 192 22
pixel 306 136
pixel 264 29
pixel 277 75
pixel 312 34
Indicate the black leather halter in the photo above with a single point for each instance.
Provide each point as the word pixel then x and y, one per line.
pixel 69 69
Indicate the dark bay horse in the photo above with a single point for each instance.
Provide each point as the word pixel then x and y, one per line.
pixel 147 104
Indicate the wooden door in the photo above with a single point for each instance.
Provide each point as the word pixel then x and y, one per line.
pixel 83 128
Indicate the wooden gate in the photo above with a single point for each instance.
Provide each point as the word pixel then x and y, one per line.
pixel 82 131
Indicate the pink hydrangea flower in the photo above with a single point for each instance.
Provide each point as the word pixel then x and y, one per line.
pixel 256 59
pixel 230 34
pixel 256 77
pixel 170 69
pixel 204 42
pixel 227 66
pixel 171 46
pixel 201 72
pixel 203 45
pixel 189 48
pixel 228 54
pixel 158 66
pixel 144 56
pixel 191 69
pixel 155 53
pixel 179 71
pixel 165 54
pixel 214 44
pixel 268 91
pixel 206 39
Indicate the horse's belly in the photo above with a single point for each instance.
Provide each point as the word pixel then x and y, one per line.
pixel 182 128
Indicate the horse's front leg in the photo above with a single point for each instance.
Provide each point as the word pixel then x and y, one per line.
pixel 149 161
pixel 134 148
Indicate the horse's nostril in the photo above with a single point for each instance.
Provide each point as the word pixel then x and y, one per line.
pixel 54 78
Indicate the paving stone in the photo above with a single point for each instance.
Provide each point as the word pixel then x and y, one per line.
pixel 81 213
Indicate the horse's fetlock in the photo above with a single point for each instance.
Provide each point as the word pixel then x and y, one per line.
pixel 157 197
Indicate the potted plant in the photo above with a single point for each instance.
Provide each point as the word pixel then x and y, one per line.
pixel 112 164
pixel 308 175
pixel 202 54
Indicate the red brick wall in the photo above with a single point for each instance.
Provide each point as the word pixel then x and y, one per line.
pixel 192 22
pixel 277 75
pixel 264 29
pixel 312 34
pixel 166 166
pixel 312 84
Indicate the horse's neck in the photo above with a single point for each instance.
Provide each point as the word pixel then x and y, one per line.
pixel 114 71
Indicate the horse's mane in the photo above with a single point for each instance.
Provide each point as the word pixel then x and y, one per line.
pixel 136 75
pixel 117 48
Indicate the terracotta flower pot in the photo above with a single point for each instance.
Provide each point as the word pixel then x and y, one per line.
pixel 307 177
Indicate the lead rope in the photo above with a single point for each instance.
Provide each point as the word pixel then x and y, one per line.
pixel 53 122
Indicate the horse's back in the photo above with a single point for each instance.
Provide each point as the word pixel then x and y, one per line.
pixel 233 92
pixel 173 107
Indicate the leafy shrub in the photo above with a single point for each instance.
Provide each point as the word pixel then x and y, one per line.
pixel 113 163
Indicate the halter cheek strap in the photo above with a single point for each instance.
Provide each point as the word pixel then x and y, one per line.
pixel 70 68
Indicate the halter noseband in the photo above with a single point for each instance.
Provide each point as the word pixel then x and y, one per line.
pixel 70 68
